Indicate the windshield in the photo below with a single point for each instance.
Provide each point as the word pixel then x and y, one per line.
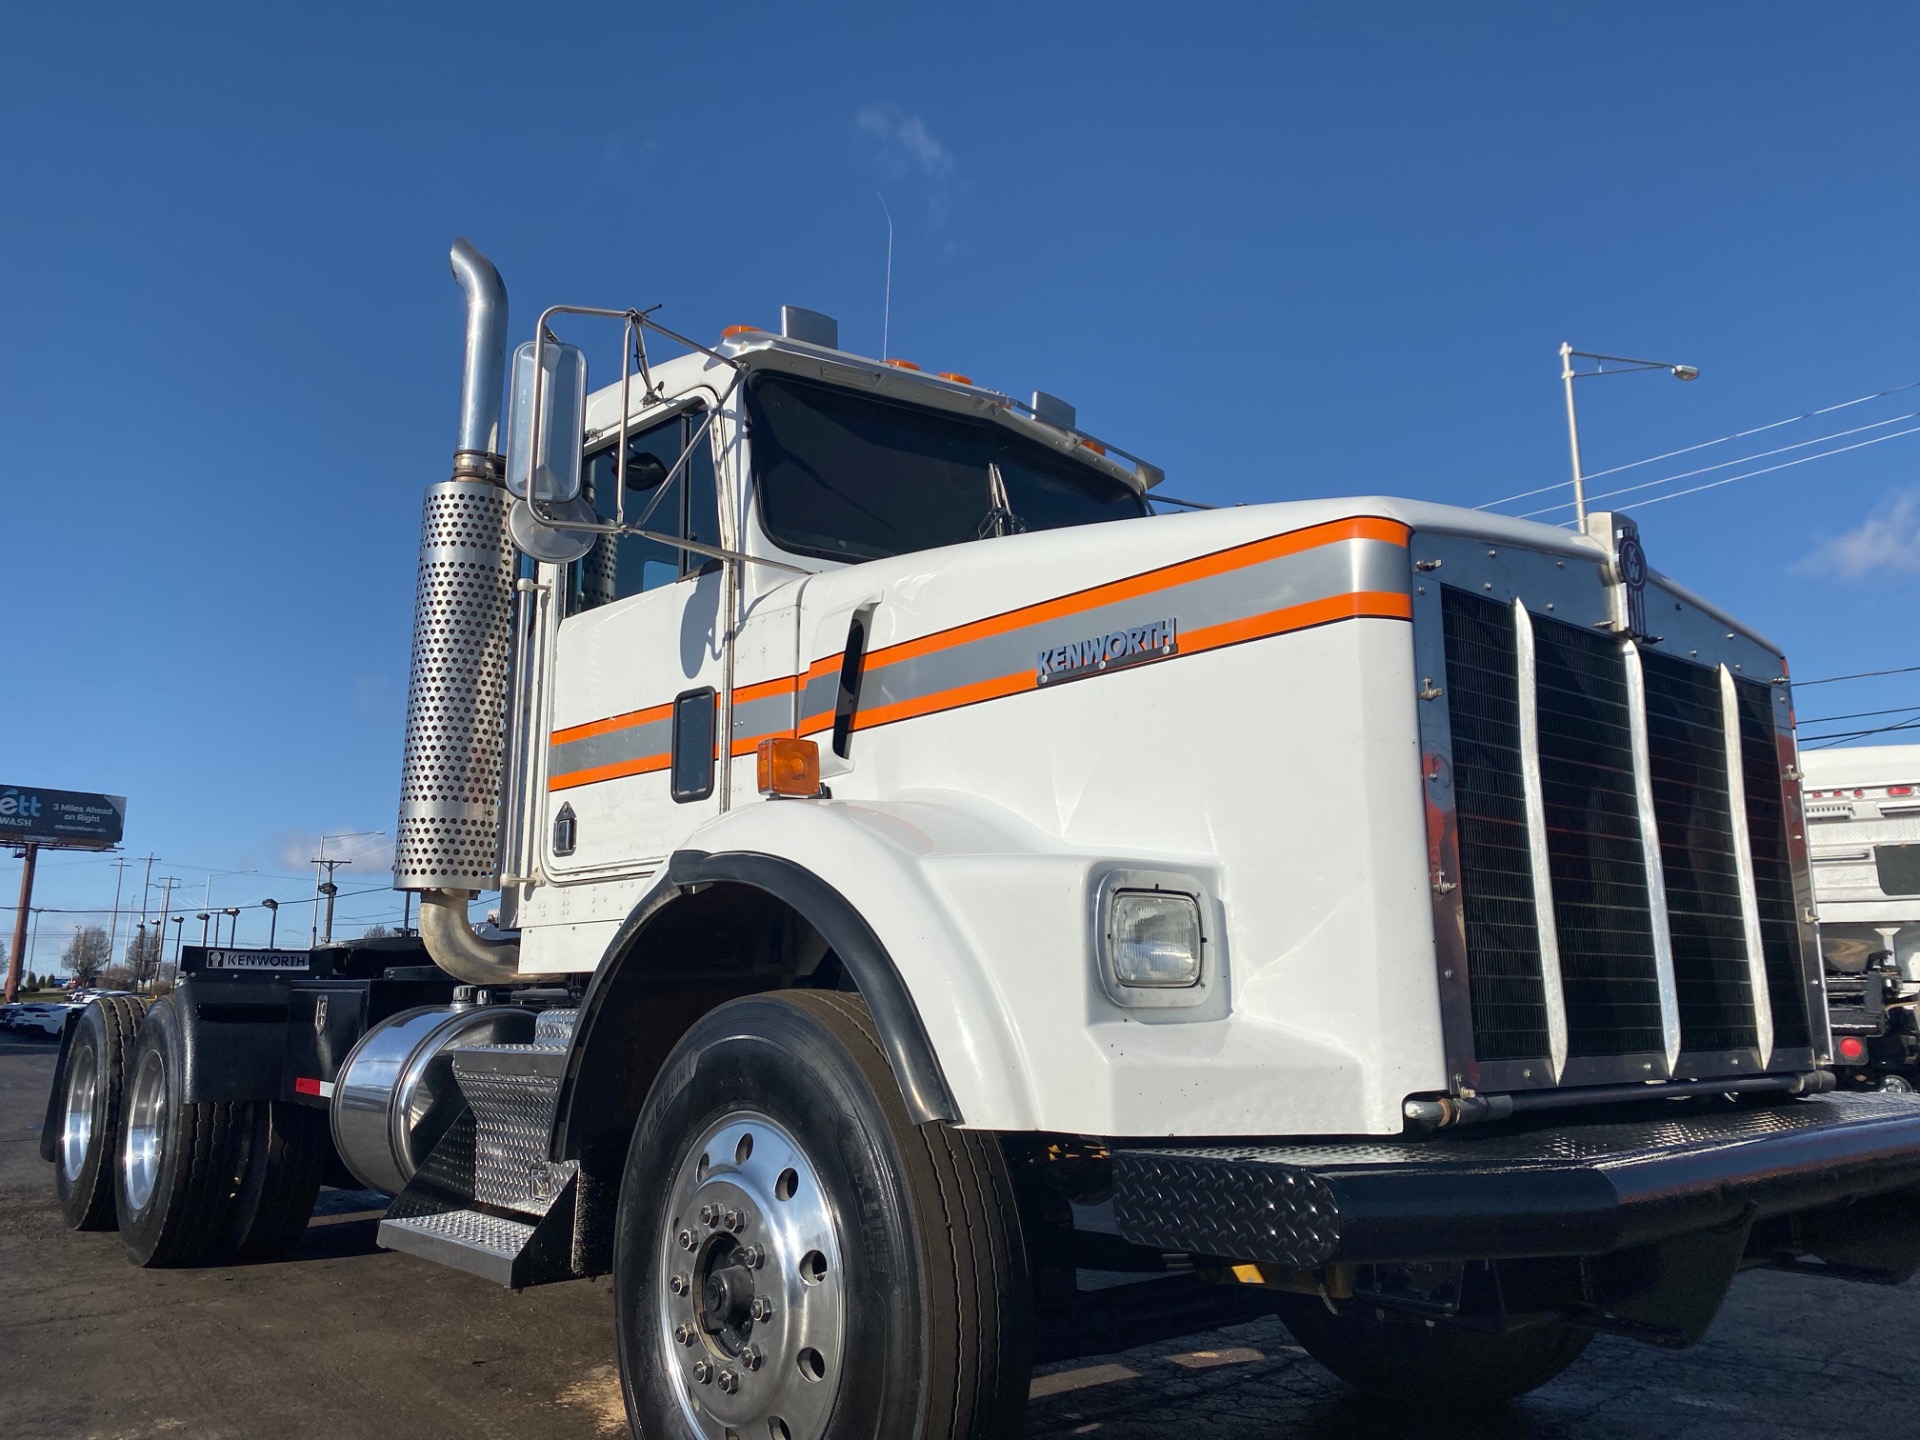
pixel 855 477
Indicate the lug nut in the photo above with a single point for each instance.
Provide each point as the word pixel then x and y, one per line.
pixel 762 1310
pixel 752 1358
pixel 729 1381
pixel 678 1284
pixel 753 1257
pixel 709 1216
pixel 702 1372
pixel 734 1221
pixel 686 1240
pixel 683 1334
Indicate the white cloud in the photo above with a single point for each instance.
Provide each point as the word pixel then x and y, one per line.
pixel 1887 540
pixel 364 854
pixel 907 147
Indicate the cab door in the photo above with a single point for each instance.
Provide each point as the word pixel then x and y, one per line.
pixel 638 664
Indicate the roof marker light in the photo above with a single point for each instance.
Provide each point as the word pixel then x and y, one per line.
pixel 1093 445
pixel 733 330
pixel 956 377
pixel 901 364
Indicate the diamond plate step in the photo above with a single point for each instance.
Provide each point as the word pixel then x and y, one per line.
pixel 481 1244
pixel 512 1090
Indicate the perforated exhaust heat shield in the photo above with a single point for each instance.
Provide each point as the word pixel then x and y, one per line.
pixel 457 692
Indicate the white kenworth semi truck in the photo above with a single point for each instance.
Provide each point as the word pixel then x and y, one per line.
pixel 953 917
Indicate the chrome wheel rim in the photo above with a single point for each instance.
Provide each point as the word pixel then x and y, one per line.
pixel 146 1130
pixel 750 1298
pixel 76 1127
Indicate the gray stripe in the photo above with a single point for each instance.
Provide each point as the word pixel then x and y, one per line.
pixel 768 715
pixel 635 741
pixel 1337 568
pixel 820 695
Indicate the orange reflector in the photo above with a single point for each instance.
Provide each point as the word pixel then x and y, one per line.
pixel 1093 445
pixel 901 364
pixel 733 330
pixel 957 378
pixel 787 766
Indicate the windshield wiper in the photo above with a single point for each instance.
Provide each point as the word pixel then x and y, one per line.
pixel 1000 519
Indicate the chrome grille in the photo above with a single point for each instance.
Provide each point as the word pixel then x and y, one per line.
pixel 1617 868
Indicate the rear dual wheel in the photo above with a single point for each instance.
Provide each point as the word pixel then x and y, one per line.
pixel 93 1087
pixel 796 1259
pixel 186 1183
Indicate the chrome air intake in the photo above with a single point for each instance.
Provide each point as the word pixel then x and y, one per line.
pixel 457 691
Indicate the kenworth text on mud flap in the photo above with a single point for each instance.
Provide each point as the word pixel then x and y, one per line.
pixel 1863 824
pixel 952 917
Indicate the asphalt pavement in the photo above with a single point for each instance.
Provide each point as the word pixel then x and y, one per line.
pixel 342 1340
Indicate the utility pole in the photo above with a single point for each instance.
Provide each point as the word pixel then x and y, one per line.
pixel 329 890
pixel 160 950
pixel 113 929
pixel 30 854
pixel 146 888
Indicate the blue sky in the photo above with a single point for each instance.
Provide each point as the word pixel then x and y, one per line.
pixel 1281 250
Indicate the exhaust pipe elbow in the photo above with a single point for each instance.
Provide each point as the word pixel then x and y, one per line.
pixel 456 949
pixel 485 368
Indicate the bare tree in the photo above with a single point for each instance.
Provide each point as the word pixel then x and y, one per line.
pixel 377 932
pixel 143 955
pixel 86 952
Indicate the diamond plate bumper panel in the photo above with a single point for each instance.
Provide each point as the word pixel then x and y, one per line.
pixel 1573 1189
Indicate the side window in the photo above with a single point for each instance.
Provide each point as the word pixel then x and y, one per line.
pixel 686 506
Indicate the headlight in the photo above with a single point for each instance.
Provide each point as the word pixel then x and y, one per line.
pixel 1153 939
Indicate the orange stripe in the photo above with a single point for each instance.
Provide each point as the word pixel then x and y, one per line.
pixel 1201 567
pixel 811 723
pixel 645 765
pixel 1376 604
pixel 762 689
pixel 612 723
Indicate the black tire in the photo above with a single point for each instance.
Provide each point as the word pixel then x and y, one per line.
pixel 1406 1362
pixel 177 1165
pixel 935 1329
pixel 89 1137
pixel 286 1150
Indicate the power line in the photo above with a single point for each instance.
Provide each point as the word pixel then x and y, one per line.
pixel 1705 444
pixel 1743 460
pixel 1860 675
pixel 1783 465
pixel 1860 715
pixel 1823 742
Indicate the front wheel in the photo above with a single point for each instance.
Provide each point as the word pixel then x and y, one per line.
pixel 795 1258
pixel 1438 1367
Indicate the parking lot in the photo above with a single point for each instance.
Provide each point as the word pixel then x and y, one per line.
pixel 342 1340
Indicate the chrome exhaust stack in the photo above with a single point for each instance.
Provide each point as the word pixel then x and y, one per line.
pixel 452 775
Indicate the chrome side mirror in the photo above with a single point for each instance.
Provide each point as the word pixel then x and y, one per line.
pixel 546 465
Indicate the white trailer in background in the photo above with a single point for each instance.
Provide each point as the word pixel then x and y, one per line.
pixel 1863 832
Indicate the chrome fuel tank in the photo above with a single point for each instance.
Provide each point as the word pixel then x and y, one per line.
pixel 396 1095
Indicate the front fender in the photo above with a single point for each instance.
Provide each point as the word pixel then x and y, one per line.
pixel 884 861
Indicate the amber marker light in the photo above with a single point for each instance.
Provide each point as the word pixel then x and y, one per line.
pixel 956 377
pixel 733 330
pixel 787 766
pixel 901 364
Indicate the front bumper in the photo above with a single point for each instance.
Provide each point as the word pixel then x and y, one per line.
pixel 1578 1189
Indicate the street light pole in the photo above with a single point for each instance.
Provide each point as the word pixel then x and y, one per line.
pixel 1568 375
pixel 273 922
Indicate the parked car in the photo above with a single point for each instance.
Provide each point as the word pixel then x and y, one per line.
pixel 46 1018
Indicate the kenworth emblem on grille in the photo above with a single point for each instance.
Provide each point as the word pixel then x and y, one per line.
pixel 1098 654
pixel 320 1015
pixel 1626 571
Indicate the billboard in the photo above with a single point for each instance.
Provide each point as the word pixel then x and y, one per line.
pixel 60 817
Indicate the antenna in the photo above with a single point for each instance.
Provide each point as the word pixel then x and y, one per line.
pixel 886 305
